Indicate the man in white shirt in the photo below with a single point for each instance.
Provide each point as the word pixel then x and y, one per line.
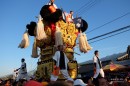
pixel 22 71
pixel 52 3
pixel 97 67
pixel 61 62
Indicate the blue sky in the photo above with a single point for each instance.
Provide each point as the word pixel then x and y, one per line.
pixel 15 14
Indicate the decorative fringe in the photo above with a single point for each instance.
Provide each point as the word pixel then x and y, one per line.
pixel 40 33
pixel 83 43
pixel 58 37
pixel 25 41
pixel 34 50
pixel 88 46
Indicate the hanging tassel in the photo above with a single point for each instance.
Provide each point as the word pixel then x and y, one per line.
pixel 40 33
pixel 58 37
pixel 34 50
pixel 25 41
pixel 82 44
pixel 87 45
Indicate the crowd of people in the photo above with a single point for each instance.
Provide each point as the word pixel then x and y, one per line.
pixel 77 82
pixel 61 61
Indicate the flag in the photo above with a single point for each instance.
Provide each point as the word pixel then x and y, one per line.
pixel 78 22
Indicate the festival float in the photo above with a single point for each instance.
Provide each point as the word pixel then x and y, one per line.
pixel 52 29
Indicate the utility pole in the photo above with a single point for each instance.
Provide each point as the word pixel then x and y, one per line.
pixel 128 51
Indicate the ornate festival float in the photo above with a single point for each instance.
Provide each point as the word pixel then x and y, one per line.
pixel 55 27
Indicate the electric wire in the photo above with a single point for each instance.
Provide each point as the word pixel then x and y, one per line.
pixel 77 11
pixel 110 36
pixel 108 22
pixel 88 6
pixel 123 28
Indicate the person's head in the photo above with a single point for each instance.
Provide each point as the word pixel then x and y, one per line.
pixel 8 83
pixel 60 47
pixel 96 53
pixel 71 12
pixel 59 83
pixel 22 60
pixel 23 81
pixel 52 1
pixel 90 83
pixel 103 82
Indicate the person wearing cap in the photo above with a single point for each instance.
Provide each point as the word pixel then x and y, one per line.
pixel 69 17
pixel 22 74
pixel 61 62
pixel 98 68
pixel 51 2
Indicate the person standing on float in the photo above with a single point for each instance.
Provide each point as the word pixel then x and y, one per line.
pixel 69 17
pixel 61 61
pixel 51 2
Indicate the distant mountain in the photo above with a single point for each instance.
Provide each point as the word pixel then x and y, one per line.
pixel 30 73
pixel 7 77
pixel 112 57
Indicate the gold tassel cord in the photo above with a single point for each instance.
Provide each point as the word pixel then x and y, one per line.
pixel 87 45
pixel 34 50
pixel 82 44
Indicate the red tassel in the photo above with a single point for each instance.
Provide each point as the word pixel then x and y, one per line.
pixel 53 29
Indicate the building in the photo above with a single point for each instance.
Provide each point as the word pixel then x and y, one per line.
pixel 86 68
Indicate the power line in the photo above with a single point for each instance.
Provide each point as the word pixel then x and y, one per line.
pixel 110 36
pixel 90 4
pixel 82 7
pixel 109 22
pixel 123 28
